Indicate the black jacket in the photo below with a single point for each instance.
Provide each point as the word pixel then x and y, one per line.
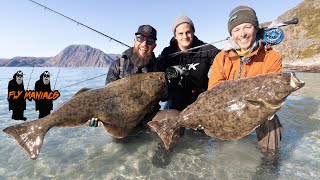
pixel 197 62
pixel 128 67
pixel 20 103
pixel 43 104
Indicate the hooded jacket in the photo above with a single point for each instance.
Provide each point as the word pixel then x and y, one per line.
pixel 43 104
pixel 20 103
pixel 197 63
pixel 128 67
pixel 226 65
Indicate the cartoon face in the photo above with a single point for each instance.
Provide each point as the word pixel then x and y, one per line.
pixel 19 77
pixel 46 78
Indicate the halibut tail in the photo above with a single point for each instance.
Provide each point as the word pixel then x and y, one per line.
pixel 166 126
pixel 29 136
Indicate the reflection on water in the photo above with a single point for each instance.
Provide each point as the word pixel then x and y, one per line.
pixel 85 153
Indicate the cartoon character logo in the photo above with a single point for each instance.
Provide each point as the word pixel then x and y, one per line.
pixel 42 95
pixel 16 92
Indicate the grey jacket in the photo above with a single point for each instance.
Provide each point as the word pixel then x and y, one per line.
pixel 128 67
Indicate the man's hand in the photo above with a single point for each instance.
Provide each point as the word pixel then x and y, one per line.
pixel 94 122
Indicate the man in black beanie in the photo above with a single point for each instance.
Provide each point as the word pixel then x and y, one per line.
pixel 242 14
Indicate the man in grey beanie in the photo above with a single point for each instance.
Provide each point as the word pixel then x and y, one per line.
pixel 193 79
pixel 183 22
pixel 182 19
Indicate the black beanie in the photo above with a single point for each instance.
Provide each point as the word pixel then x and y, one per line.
pixel 242 14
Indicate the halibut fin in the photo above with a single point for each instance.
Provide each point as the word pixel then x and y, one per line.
pixel 166 126
pixel 29 136
pixel 82 90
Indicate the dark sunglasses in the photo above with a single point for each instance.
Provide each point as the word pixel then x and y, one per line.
pixel 19 75
pixel 141 39
pixel 46 75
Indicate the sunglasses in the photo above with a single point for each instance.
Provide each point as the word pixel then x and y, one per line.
pixel 19 75
pixel 46 75
pixel 149 41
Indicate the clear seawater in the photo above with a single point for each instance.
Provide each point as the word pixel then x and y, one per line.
pixel 91 153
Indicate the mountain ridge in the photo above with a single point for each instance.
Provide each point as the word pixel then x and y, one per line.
pixel 70 56
pixel 300 47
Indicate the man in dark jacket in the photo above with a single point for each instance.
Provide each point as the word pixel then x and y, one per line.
pixel 44 106
pixel 137 59
pixel 17 105
pixel 187 72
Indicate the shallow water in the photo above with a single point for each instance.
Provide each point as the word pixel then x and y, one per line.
pixel 90 153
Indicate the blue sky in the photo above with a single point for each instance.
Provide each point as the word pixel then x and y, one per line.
pixel 30 30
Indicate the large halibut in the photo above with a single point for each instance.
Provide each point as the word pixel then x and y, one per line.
pixel 120 105
pixel 230 110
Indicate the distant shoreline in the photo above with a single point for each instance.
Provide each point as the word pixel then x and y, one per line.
pixel 311 69
pixel 302 68
pixel 304 65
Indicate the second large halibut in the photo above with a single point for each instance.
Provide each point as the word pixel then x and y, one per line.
pixel 230 110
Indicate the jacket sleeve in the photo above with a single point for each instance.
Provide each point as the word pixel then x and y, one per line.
pixel 276 65
pixel 213 51
pixel 113 73
pixel 37 86
pixel 10 99
pixel 216 73
pixel 10 88
pixel 160 63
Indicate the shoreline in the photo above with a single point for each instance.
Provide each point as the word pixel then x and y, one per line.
pixel 311 65
pixel 310 68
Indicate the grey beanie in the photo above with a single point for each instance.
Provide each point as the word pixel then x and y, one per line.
pixel 181 19
pixel 242 14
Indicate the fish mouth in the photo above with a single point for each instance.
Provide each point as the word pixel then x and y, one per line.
pixel 295 82
pixel 272 106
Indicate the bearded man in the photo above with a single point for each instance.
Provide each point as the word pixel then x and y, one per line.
pixel 44 106
pixel 17 105
pixel 137 59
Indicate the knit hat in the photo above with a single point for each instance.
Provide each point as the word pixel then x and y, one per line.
pixel 181 19
pixel 242 14
pixel 147 31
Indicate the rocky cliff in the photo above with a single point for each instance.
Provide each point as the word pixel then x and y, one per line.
pixel 302 41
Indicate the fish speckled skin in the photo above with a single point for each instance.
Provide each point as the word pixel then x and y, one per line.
pixel 232 109
pixel 120 105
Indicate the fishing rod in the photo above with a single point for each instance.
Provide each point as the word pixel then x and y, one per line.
pixel 187 50
pixel 82 81
pixel 30 77
pixel 78 23
pixel 271 35
pixel 54 87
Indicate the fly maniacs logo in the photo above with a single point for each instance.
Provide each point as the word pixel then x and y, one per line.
pixel 34 95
